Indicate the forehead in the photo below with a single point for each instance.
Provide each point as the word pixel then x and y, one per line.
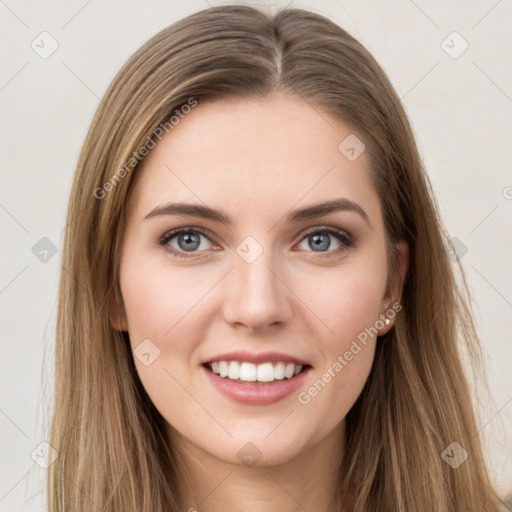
pixel 265 155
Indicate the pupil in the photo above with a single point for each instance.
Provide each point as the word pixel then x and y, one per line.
pixel 192 242
pixel 319 243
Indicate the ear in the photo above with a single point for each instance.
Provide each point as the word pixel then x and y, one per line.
pixel 393 296
pixel 118 317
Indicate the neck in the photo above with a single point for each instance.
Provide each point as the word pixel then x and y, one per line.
pixel 308 481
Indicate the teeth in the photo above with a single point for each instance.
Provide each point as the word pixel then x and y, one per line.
pixel 249 372
pixel 234 370
pixel 265 372
pixel 279 371
pixel 223 368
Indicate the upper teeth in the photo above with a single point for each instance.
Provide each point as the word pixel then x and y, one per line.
pixel 250 372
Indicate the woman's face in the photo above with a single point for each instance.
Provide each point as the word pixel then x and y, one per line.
pixel 259 279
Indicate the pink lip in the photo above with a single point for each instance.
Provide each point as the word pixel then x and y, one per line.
pixel 264 357
pixel 251 393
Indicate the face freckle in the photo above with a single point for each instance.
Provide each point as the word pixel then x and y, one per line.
pixel 254 280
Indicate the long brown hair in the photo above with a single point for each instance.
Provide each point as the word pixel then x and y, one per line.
pixel 112 448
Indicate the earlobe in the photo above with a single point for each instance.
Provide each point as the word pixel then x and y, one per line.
pixel 392 303
pixel 118 318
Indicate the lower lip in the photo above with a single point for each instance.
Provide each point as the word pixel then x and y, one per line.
pixel 256 394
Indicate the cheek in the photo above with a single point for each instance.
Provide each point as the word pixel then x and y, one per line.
pixel 156 300
pixel 345 300
pixel 167 306
pixel 348 305
pixel 162 306
pixel 346 354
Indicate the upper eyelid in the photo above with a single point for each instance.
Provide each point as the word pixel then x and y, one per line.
pixel 331 230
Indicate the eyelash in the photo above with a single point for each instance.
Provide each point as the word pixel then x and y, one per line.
pixel 343 237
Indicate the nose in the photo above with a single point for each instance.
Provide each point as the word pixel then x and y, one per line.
pixel 257 296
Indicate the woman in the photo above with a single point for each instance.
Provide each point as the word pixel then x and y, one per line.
pixel 257 309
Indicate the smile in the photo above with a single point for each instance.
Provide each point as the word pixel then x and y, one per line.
pixel 255 384
pixel 249 372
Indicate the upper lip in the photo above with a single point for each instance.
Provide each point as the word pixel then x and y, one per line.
pixel 263 357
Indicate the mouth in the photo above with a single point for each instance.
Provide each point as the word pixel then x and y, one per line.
pixel 259 374
pixel 256 378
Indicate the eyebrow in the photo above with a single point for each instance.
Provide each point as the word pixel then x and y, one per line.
pixel 311 212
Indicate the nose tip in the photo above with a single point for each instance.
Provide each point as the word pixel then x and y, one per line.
pixel 256 297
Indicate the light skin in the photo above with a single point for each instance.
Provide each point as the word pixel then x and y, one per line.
pixel 257 161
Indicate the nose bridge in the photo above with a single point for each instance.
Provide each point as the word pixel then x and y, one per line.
pixel 256 295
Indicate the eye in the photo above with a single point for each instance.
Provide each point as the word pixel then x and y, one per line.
pixel 320 239
pixel 183 240
pixel 186 242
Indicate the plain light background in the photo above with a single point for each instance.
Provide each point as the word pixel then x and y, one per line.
pixel 459 101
